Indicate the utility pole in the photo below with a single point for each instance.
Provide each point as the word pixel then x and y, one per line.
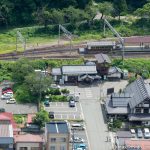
pixel 19 37
pixel 117 34
pixel 67 34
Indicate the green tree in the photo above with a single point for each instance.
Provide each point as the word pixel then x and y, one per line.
pixel 21 69
pixel 37 83
pixel 144 11
pixel 105 8
pixel 120 7
pixel 23 94
pixel 41 118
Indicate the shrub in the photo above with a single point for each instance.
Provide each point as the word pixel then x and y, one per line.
pixel 132 79
pixel 54 91
pixel 65 91
pixel 58 98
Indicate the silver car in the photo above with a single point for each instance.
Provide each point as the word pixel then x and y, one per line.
pixel 139 133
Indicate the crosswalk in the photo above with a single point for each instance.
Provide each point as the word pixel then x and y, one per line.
pixel 88 93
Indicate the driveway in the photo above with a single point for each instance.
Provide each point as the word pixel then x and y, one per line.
pixel 96 127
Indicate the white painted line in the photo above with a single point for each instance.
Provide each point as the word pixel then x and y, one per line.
pixel 56 103
pixel 89 146
pixel 74 116
pixel 81 111
pixel 62 104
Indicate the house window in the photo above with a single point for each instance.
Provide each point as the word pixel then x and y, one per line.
pixel 62 140
pixel 34 148
pixel 146 110
pixel 23 148
pixel 138 110
pixel 63 147
pixel 53 139
pixel 52 148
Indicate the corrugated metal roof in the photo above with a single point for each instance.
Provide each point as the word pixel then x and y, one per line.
pixel 138 144
pixel 101 43
pixel 28 138
pixel 56 71
pixel 102 58
pixel 139 91
pixel 78 70
pixel 137 39
pixel 57 127
pixel 124 134
pixel 6 130
pixel 6 140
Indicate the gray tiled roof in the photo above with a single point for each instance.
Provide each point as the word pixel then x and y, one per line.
pixel 139 117
pixel 102 58
pixel 114 70
pixel 139 92
pixel 78 70
pixel 115 110
pixel 57 127
pixel 120 99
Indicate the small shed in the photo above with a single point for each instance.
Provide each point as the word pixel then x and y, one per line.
pixel 102 63
pixel 114 73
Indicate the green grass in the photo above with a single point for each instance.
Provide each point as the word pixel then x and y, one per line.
pixel 37 35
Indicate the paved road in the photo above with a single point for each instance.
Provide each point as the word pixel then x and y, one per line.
pixel 93 116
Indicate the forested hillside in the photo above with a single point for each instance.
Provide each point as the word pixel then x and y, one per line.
pixel 38 20
pixel 27 12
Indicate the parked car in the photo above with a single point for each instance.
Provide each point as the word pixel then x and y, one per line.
pixel 11 101
pixel 139 133
pixel 77 140
pixel 77 127
pixel 133 133
pixel 146 133
pixel 2 110
pixel 46 103
pixel 55 86
pixel 9 95
pixel 80 146
pixel 71 103
pixel 51 115
pixel 5 96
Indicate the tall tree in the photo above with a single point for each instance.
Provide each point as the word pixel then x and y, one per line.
pixel 105 8
pixel 144 12
pixel 120 7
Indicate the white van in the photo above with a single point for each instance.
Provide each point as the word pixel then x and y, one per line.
pixel 77 127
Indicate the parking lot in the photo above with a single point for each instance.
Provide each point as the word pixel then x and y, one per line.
pixel 18 108
pixel 79 133
pixel 63 111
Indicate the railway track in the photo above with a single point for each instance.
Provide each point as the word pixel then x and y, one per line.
pixel 64 52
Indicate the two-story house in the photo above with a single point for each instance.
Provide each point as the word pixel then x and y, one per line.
pixel 57 136
pixel 133 102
